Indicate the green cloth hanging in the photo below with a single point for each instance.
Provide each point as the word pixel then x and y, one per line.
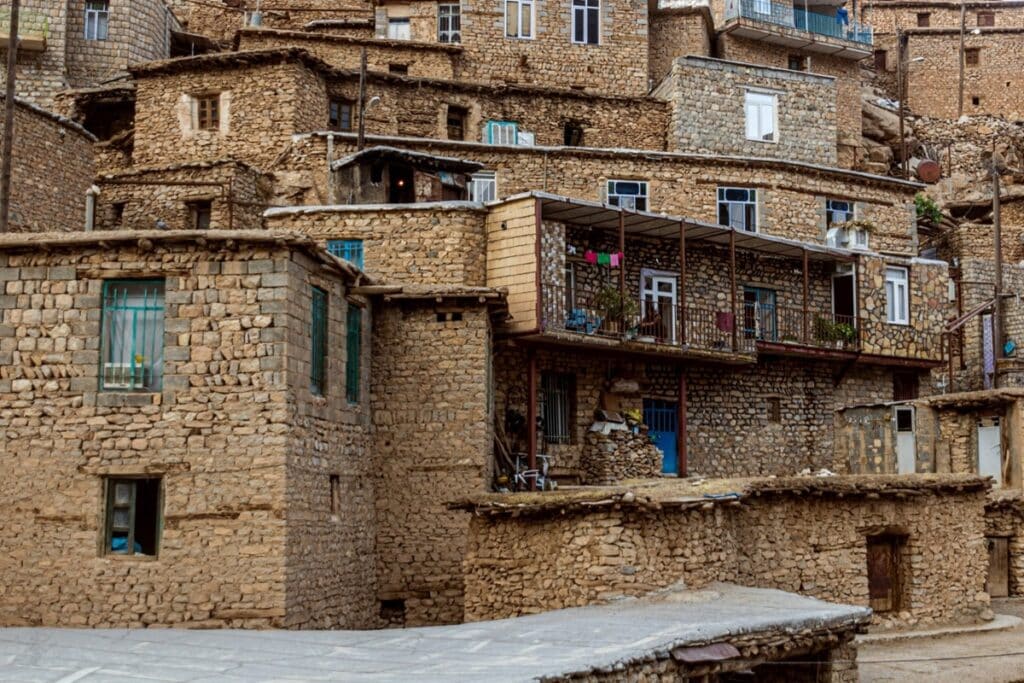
pixel 604 258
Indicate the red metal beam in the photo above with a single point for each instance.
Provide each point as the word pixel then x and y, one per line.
pixel 681 429
pixel 622 272
pixel 531 411
pixel 732 288
pixel 807 310
pixel 682 282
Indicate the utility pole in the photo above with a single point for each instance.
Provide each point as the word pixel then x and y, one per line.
pixel 5 165
pixel 904 162
pixel 361 137
pixel 963 29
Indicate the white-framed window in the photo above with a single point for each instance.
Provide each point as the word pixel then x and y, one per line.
pixel 761 109
pixel 97 19
pixel 897 304
pixel 629 194
pixel 502 133
pixel 586 22
pixel 519 18
pixel 398 28
pixel 483 187
pixel 449 23
pixel 839 212
pixel 737 208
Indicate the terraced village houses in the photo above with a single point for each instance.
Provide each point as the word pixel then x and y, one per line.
pixel 331 278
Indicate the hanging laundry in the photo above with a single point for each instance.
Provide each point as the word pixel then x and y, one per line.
pixel 570 249
pixel 604 258
pixel 614 260
pixel 590 256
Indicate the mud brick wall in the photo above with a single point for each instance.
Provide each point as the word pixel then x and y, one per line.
pixel 707 98
pixel 885 17
pixel 845 71
pixel 48 153
pixel 791 196
pixel 137 199
pixel 261 106
pixel 221 434
pixel 424 60
pixel 674 34
pixel 933 84
pixel 809 545
pixel 430 244
pixel 431 402
pixel 138 31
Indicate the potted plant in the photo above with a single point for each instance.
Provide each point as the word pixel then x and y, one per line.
pixel 845 333
pixel 616 308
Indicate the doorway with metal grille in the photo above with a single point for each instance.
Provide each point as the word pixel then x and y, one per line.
pixel 662 418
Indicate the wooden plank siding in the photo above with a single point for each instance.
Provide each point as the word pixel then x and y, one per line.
pixel 512 243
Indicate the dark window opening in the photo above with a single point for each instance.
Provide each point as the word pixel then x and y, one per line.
pixel 339 116
pixel 200 214
pixel 456 316
pixel 117 213
pixel 399 69
pixel 133 516
pixel 318 342
pixel 572 134
pixel 402 189
pixel 392 611
pixel 972 56
pixel 442 317
pixel 986 18
pixel 798 63
pixel 456 122
pixel 976 101
pixel 107 119
pixel 881 59
pixel 774 409
pixel 905 386
pixel 904 419
pixel 335 482
pixel 924 19
pixel 558 406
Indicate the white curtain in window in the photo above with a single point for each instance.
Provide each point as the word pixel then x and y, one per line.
pixel 760 116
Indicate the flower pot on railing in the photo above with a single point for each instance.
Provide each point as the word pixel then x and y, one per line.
pixel 618 310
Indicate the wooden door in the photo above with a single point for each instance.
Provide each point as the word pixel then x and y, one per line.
pixel 998 584
pixel 883 574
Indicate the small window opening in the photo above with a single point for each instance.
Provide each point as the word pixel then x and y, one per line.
pixel 393 611
pixel 798 63
pixel 572 134
pixel 976 101
pixel 133 516
pixel 456 316
pixel 208 112
pixel 456 122
pixel 117 213
pixel 442 317
pixel 200 214
pixel 335 494
pixel 774 409
pixel 881 58
pixel 924 19
pixel 399 69
pixel 972 56
pixel 339 115
pixel 986 18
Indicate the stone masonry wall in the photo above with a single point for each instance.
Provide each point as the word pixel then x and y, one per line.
pixel 674 34
pixel 138 31
pixel 40 74
pixel 885 16
pixel 933 84
pixel 617 456
pixel 808 545
pixel 261 106
pixel 708 110
pixel 219 433
pixel 431 402
pixel 52 168
pixel 424 244
pixel 220 19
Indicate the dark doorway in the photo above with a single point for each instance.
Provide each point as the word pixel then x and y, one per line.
pixel 905 386
pixel 844 298
pixel 401 190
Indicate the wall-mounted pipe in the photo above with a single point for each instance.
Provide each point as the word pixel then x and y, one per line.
pixel 90 208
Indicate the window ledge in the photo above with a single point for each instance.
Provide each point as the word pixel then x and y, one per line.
pixel 116 557
pixel 116 399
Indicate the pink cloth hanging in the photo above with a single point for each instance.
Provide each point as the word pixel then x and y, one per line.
pixel 590 256
pixel 615 260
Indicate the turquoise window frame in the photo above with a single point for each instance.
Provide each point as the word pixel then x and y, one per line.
pixel 132 333
pixel 494 125
pixel 318 331
pixel 350 250
pixel 353 352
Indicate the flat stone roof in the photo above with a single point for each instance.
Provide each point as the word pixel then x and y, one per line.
pixel 557 643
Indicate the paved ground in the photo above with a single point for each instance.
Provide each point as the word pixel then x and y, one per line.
pixel 553 643
pixel 995 657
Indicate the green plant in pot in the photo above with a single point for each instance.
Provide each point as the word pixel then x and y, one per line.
pixel 845 332
pixel 615 306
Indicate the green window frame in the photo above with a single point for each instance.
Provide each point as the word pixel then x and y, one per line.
pixel 350 250
pixel 132 335
pixel 353 352
pixel 318 342
pixel 134 518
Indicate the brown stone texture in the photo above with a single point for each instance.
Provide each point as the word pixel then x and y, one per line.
pixel 1004 518
pixel 845 71
pixel 933 84
pixel 885 17
pixel 244 450
pixel 220 19
pixel 806 544
pixel 52 167
pixel 432 412
pixel 707 99
pixel 140 197
pixel 261 105
pixel 674 34
pixel 429 244
pixel 618 455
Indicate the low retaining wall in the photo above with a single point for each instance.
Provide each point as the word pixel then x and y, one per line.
pixel 618 455
pixel 537 552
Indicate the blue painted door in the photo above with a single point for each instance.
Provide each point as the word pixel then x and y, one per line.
pixel 662 418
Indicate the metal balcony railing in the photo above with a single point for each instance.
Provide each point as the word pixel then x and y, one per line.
pixel 797 17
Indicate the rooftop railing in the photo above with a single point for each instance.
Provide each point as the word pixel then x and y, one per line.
pixel 799 18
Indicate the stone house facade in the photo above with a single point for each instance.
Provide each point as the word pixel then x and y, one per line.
pixel 217 477
pixel 71 43
pixel 49 151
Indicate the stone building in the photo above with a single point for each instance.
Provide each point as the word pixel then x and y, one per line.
pixel 77 43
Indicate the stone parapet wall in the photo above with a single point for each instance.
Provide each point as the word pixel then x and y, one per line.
pixel 674 34
pixel 805 115
pixel 52 168
pixel 618 455
pixel 810 545
pixel 884 17
pixel 433 244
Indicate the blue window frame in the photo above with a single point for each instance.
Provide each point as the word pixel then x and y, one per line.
pixel 350 250
pixel 132 335
pixel 318 342
pixel 353 351
pixel 759 314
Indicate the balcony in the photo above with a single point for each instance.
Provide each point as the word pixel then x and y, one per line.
pixel 33 30
pixel 797 26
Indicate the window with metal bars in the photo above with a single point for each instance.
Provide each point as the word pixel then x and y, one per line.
pixel 207 112
pixel 132 335
pixel 318 342
pixel 558 393
pixel 133 519
pixel 353 351
pixel 350 250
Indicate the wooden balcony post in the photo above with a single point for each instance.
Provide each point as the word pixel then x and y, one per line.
pixel 531 411
pixel 732 288
pixel 682 282
pixel 681 431
pixel 807 310
pixel 622 271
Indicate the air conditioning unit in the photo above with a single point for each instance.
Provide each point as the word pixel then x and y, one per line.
pixel 123 376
